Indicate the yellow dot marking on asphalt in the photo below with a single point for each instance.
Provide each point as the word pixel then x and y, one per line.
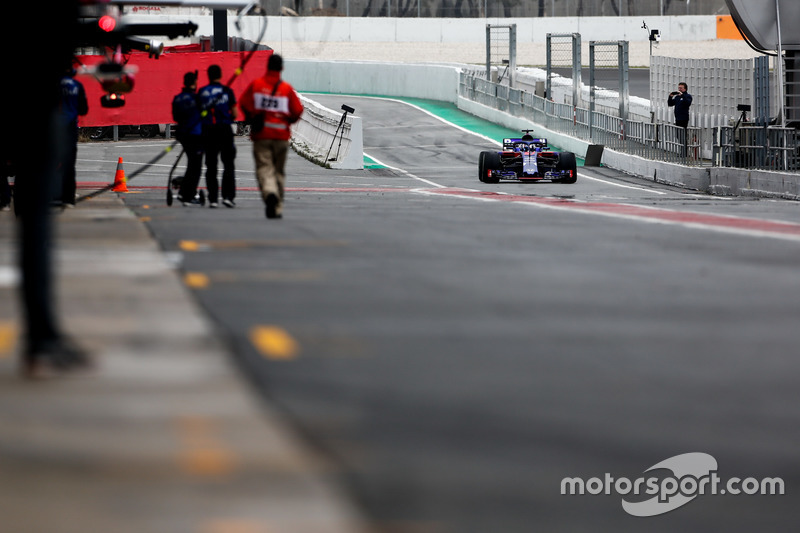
pixel 207 462
pixel 274 343
pixel 145 207
pixel 145 219
pixel 8 338
pixel 202 453
pixel 188 246
pixel 196 280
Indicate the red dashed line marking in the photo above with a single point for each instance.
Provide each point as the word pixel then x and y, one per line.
pixel 729 224
pixel 100 185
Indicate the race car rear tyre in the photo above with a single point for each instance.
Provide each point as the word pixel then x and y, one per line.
pixel 566 161
pixel 488 161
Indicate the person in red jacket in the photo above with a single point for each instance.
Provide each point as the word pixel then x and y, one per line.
pixel 271 106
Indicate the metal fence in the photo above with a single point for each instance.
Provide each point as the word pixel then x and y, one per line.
pixel 501 51
pixel 660 142
pixel 564 51
pixel 757 147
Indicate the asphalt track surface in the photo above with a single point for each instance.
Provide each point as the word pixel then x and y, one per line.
pixel 460 348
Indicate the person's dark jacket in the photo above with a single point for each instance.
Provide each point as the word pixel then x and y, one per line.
pixel 73 100
pixel 681 102
pixel 217 104
pixel 186 112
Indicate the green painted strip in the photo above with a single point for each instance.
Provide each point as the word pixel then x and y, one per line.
pixel 370 163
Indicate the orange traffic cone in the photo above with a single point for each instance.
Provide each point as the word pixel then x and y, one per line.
pixel 120 183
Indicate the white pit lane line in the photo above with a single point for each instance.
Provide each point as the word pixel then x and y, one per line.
pixel 405 172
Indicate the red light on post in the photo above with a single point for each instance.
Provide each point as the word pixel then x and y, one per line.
pixel 107 23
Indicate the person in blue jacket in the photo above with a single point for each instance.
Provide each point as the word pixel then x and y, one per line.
pixel 72 105
pixel 681 100
pixel 186 113
pixel 218 112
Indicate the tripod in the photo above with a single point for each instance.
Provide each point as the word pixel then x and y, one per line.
pixel 347 109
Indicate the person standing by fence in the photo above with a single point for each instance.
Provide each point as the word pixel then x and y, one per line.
pixel 681 100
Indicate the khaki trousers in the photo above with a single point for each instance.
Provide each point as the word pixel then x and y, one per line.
pixel 270 156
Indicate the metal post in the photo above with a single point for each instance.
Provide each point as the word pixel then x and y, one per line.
pixel 220 30
pixel 547 83
pixel 512 56
pixel 488 53
pixel 591 90
pixel 624 90
pixel 576 70
pixel 779 68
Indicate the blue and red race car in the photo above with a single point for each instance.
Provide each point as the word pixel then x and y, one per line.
pixel 527 159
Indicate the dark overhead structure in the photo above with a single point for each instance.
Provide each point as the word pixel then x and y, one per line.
pixel 771 27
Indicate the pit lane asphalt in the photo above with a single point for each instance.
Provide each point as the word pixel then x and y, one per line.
pixel 460 358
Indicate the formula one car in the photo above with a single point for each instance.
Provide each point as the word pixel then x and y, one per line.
pixel 527 159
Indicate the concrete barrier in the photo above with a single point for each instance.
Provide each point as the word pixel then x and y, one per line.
pixel 432 82
pixel 760 183
pixel 318 137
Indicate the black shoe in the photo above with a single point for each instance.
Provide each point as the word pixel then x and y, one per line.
pixel 194 201
pixel 52 357
pixel 272 204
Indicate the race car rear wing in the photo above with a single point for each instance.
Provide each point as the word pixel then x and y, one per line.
pixel 509 144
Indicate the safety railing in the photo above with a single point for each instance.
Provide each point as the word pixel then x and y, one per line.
pixel 660 142
pixel 757 148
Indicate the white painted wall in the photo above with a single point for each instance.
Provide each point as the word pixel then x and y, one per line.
pixel 444 30
pixel 432 82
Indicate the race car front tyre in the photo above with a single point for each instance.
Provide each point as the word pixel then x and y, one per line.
pixel 566 161
pixel 487 162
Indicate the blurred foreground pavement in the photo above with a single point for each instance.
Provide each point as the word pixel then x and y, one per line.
pixel 163 435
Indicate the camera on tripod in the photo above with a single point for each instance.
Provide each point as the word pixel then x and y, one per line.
pixel 339 132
